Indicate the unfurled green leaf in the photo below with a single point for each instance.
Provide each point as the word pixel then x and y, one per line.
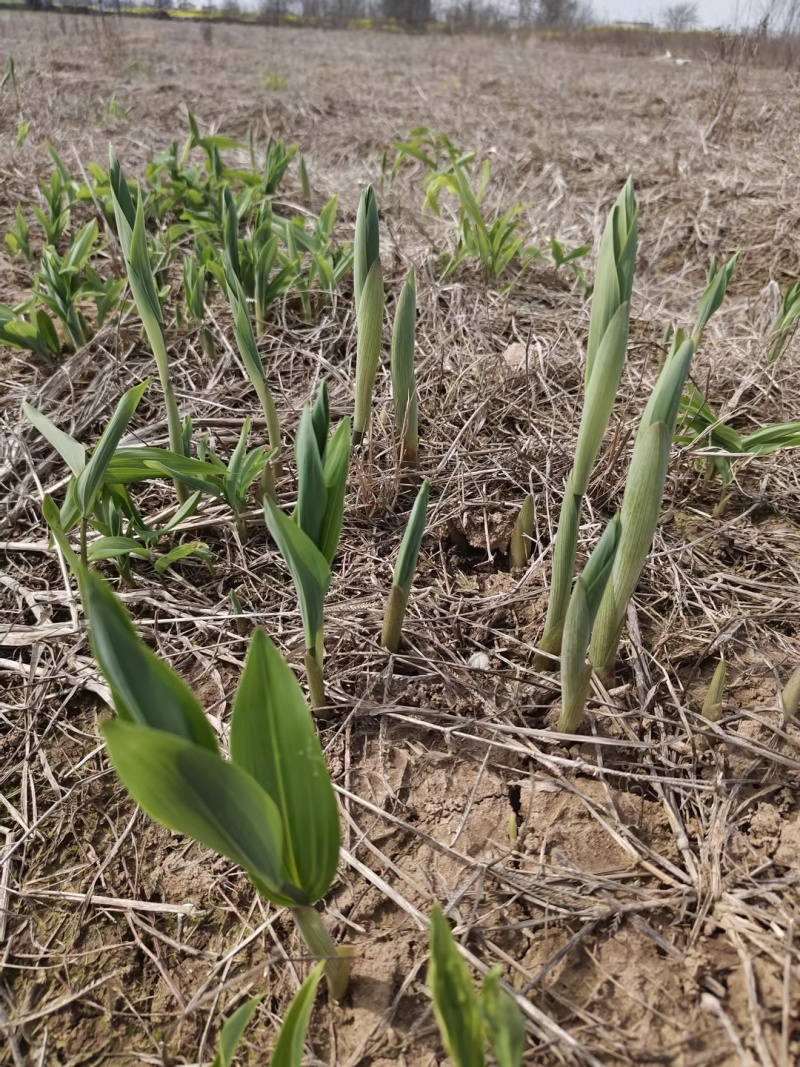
pixel 290 1048
pixel 710 302
pixel 505 1026
pixel 455 1002
pixel 233 1032
pixel 90 480
pixel 337 465
pixel 308 567
pixel 412 539
pixel 179 552
pixel 113 547
pixel 71 451
pixel 274 739
pixel 194 792
pixel 145 689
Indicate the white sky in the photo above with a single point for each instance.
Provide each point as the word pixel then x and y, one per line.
pixel 712 12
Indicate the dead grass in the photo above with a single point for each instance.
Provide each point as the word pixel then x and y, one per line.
pixel 647 913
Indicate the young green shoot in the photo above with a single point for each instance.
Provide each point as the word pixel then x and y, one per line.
pixel 309 539
pixel 133 240
pixel 404 570
pixel 605 357
pixel 712 704
pixel 369 296
pixel 790 697
pixel 519 548
pixel 270 809
pixel 404 385
pixel 469 1020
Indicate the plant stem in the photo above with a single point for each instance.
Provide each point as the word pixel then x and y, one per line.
pixel 84 555
pixel 316 935
pixel 393 619
pixel 316 683
pixel 174 427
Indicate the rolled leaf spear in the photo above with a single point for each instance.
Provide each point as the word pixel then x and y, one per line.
pixel 368 283
pixel 605 356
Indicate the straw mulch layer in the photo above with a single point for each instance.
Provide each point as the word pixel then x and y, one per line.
pixel 646 911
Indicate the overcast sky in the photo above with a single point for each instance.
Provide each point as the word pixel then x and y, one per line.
pixel 712 12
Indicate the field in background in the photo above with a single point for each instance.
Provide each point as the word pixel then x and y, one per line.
pixel 649 904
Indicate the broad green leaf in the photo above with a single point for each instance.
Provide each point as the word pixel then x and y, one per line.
pixel 772 438
pixel 197 793
pixel 505 1025
pixel 233 1032
pixel 71 451
pixel 53 520
pixel 455 1002
pixel 337 465
pixel 312 493
pixel 412 539
pixel 308 567
pixel 191 548
pixel 112 547
pixel 91 478
pixel 292 1038
pixel 145 689
pixel 274 739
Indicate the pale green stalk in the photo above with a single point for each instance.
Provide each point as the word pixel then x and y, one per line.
pixel 605 356
pixel 404 571
pixel 712 705
pixel 519 549
pixel 790 697
pixel 641 505
pixel 369 294
pixel 404 386
pixel 584 603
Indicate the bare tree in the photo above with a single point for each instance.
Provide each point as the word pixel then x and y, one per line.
pixel 680 17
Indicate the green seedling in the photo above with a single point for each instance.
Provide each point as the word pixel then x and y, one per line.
pixel 712 704
pixel 248 350
pixel 785 322
pixel 469 1020
pixel 605 357
pixel 18 238
pixel 270 809
pixel 133 240
pixel 519 548
pixel 243 469
pixel 35 334
pixel 308 541
pixel 404 570
pixel 699 424
pixel 369 296
pixel 60 285
pixel 404 385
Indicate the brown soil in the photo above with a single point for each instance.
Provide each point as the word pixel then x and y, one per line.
pixel 645 908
